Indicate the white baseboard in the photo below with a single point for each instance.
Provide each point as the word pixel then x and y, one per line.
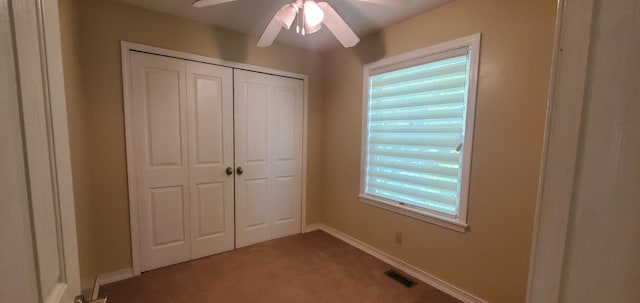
pixel 399 264
pixel 111 277
pixel 312 227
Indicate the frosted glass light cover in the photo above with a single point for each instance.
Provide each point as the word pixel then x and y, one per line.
pixel 312 29
pixel 313 14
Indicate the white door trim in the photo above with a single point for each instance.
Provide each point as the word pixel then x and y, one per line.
pixel 60 131
pixel 564 117
pixel 126 47
pixel 39 65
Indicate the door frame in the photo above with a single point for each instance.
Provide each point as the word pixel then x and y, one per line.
pixel 127 47
pixel 38 58
pixel 560 152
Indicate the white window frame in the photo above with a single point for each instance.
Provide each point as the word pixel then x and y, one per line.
pixel 459 222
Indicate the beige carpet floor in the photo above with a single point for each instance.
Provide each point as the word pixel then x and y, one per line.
pixel 313 267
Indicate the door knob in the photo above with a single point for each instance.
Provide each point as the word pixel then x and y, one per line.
pixel 229 171
pixel 239 170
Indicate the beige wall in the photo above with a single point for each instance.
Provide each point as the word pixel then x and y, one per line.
pixel 92 30
pixel 76 109
pixel 491 260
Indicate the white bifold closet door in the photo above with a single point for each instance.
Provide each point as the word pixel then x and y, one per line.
pixel 210 120
pixel 268 144
pixel 183 143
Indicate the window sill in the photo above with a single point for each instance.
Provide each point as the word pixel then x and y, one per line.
pixel 427 217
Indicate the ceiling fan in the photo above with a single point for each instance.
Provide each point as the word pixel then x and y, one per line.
pixel 309 16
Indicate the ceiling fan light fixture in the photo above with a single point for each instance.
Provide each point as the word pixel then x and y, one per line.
pixel 313 14
pixel 286 14
pixel 312 29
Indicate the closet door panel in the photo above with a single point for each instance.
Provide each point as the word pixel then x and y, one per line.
pixel 286 155
pixel 161 157
pixel 251 103
pixel 268 136
pixel 210 128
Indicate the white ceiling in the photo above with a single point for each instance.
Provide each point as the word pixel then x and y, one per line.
pixel 252 16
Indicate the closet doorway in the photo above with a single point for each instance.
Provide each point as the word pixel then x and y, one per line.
pixel 215 155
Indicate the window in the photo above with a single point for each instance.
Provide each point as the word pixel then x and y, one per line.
pixel 418 130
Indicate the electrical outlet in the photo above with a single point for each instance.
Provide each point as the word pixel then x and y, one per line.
pixel 399 237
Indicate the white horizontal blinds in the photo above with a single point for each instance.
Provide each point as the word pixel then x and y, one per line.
pixel 416 123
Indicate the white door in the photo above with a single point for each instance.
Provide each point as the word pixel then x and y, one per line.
pixel 38 251
pixel 210 119
pixel 183 150
pixel 268 148
pixel 161 159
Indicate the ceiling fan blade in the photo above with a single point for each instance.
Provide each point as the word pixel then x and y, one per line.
pixel 337 26
pixel 203 3
pixel 286 15
pixel 270 33
pixel 388 2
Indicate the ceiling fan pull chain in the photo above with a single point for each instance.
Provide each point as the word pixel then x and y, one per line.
pixel 297 20
pixel 303 20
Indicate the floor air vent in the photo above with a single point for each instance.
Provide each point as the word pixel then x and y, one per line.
pixel 399 278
